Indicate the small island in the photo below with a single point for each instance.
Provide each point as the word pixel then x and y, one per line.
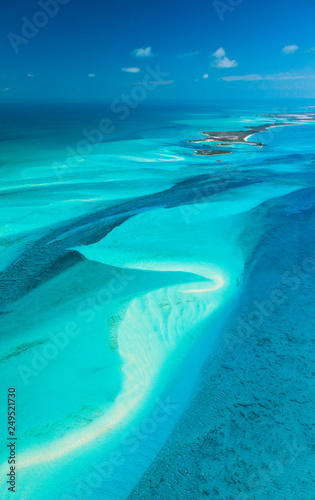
pixel 233 137
pixel 240 136
pixel 212 152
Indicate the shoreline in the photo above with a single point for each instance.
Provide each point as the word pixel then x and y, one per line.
pixel 254 380
pixel 245 380
pixel 239 137
pixel 212 152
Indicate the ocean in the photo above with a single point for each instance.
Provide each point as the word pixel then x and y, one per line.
pixel 126 259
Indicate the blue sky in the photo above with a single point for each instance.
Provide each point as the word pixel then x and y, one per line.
pixel 99 49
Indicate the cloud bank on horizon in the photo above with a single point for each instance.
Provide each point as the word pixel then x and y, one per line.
pixel 257 77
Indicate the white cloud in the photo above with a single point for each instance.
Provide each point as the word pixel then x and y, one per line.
pixel 310 51
pixel 147 52
pixel 205 76
pixel 161 82
pixel 30 75
pixel 290 49
pixel 244 78
pixel 219 53
pixel 189 54
pixel 131 70
pixel 91 75
pixel 225 62
pixel 221 60
pixel 257 77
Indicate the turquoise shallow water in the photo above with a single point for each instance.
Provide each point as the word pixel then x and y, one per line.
pixel 119 261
